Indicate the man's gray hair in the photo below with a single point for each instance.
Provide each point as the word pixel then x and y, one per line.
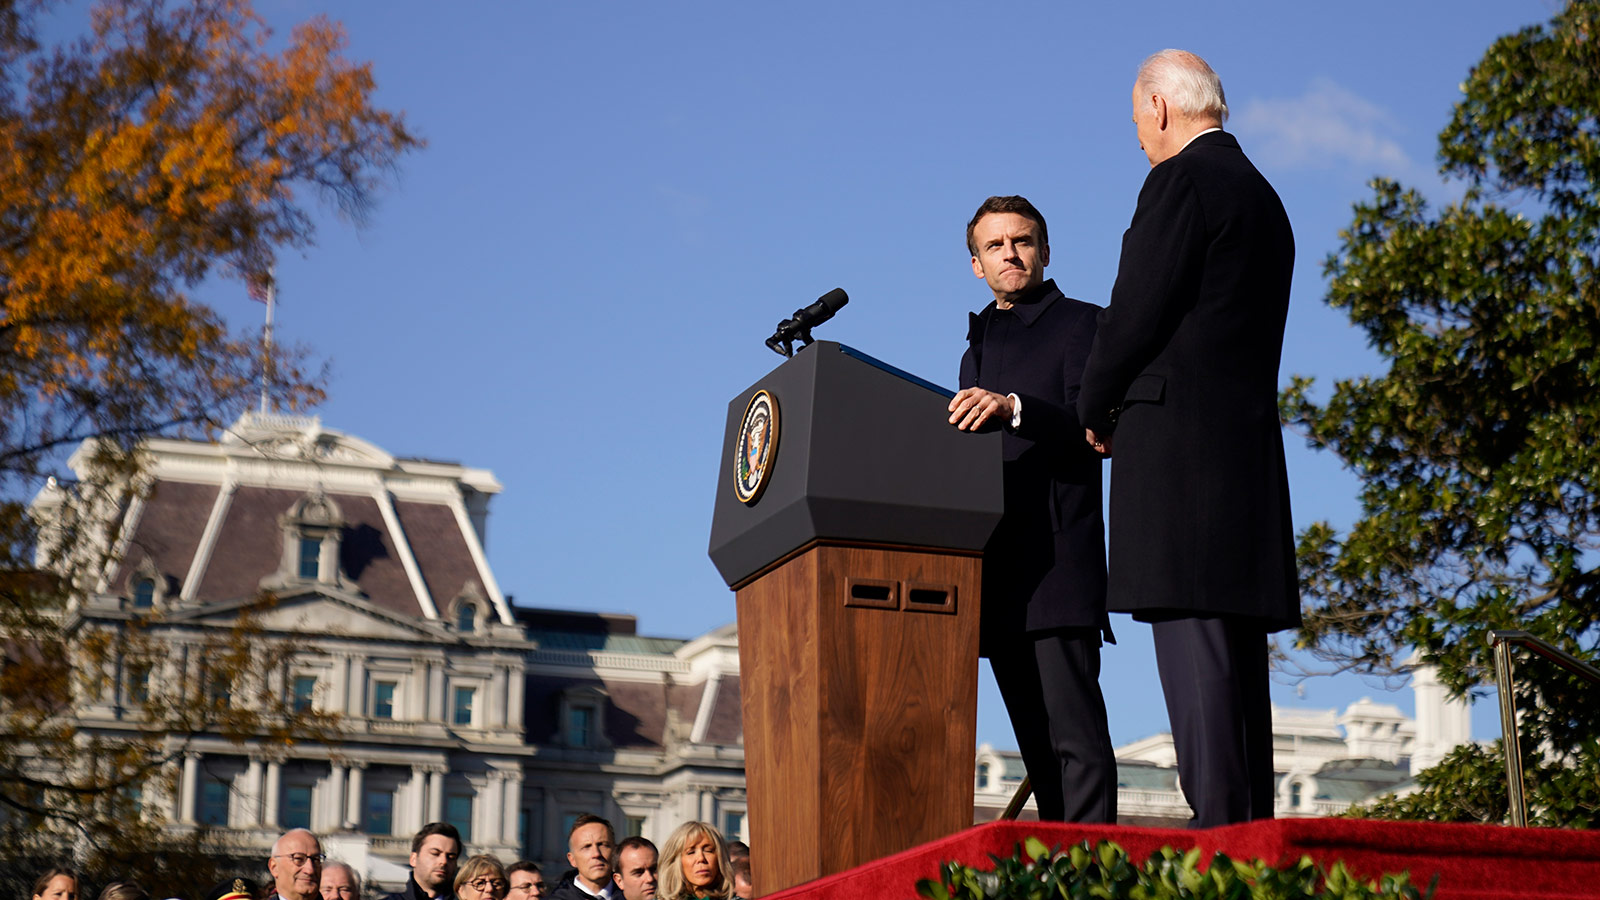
pixel 1189 85
pixel 355 877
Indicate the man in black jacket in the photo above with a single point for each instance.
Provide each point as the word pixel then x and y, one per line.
pixel 1044 575
pixel 1185 368
pixel 435 856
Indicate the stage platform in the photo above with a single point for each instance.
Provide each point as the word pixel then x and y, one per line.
pixel 1474 862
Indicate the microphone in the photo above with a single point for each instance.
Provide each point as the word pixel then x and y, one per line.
pixel 798 327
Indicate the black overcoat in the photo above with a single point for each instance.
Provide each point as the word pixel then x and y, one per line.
pixel 1184 369
pixel 1045 565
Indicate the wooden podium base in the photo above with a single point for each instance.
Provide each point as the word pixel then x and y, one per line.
pixel 859 682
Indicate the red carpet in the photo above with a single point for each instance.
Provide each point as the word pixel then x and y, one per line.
pixel 1474 862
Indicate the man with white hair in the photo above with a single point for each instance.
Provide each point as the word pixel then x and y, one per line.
pixel 1184 372
pixel 296 865
pixel 340 882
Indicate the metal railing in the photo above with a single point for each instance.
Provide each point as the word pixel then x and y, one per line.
pixel 1500 642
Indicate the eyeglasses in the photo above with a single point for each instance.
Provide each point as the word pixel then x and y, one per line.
pixel 300 859
pixel 485 885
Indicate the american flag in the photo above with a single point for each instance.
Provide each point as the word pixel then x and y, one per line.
pixel 259 287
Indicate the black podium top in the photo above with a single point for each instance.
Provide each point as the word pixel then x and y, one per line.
pixel 864 452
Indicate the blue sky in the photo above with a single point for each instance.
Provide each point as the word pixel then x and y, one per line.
pixel 619 200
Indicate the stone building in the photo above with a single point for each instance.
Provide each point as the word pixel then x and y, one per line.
pixel 457 705
pixel 454 705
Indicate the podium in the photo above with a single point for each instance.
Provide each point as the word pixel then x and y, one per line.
pixel 850 520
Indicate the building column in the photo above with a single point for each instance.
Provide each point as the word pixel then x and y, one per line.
pixel 250 797
pixel 417 808
pixel 495 715
pixel 493 794
pixel 514 701
pixel 513 810
pixel 353 808
pixel 333 806
pixel 269 804
pixel 187 791
pixel 339 690
pixel 438 703
pixel 435 794
pixel 358 686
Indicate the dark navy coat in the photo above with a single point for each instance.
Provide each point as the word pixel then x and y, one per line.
pixel 1185 369
pixel 1045 565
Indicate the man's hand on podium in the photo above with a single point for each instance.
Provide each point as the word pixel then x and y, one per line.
pixel 973 407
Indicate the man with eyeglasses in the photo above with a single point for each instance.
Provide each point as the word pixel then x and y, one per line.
pixel 340 882
pixel 527 881
pixel 296 865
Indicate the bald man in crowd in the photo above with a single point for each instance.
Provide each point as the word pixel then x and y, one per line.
pixel 296 865
pixel 1183 378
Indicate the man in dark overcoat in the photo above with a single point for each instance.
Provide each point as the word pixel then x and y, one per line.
pixel 1184 374
pixel 1044 569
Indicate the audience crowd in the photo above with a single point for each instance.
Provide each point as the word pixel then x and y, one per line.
pixel 695 862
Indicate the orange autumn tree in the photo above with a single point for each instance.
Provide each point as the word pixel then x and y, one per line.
pixel 169 144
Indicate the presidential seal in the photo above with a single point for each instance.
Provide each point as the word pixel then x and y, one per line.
pixel 753 452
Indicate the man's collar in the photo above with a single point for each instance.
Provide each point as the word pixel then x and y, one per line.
pixel 1192 140
pixel 605 890
pixel 1030 306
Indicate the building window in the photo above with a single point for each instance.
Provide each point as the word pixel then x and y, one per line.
pixel 139 683
pixel 219 688
pixel 296 806
pixel 305 691
pixel 213 802
pixel 733 825
pixel 467 618
pixel 464 697
pixel 144 593
pixel 383 700
pixel 580 726
pixel 310 557
pixel 633 826
pixel 458 812
pixel 379 817
pixel 983 776
pixel 1294 794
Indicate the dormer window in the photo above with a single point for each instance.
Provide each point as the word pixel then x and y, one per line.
pixel 583 718
pixel 310 557
pixel 983 776
pixel 148 589
pixel 313 529
pixel 467 618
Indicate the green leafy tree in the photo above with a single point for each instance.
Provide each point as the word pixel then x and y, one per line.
pixel 1479 449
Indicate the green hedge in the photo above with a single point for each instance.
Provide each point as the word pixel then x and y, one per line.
pixel 1104 872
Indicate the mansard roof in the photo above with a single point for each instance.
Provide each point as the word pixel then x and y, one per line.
pixel 211 521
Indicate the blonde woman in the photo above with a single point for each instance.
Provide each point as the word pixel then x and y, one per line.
pixel 481 878
pixel 694 864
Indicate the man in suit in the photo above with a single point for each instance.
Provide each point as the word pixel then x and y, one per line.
pixel 1184 374
pixel 1044 570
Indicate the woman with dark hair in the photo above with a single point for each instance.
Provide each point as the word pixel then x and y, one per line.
pixel 59 883
pixel 694 864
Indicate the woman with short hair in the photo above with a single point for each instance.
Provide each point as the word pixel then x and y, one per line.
pixel 481 878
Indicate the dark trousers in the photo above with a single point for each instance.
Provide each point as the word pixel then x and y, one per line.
pixel 1051 686
pixel 1214 676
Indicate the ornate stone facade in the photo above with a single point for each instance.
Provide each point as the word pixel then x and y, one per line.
pixel 456 705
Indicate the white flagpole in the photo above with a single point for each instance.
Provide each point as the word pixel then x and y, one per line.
pixel 266 337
